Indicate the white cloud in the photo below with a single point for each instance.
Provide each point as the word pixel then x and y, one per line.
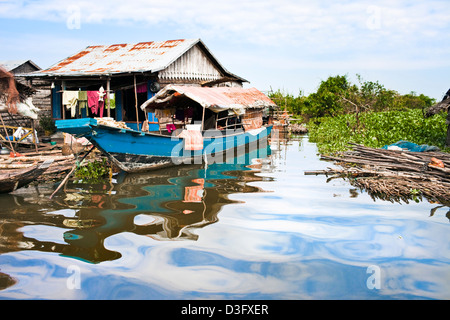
pixel 314 23
pixel 323 34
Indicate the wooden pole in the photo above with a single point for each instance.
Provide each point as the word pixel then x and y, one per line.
pixel 34 135
pixel 203 119
pixel 108 103
pixel 6 135
pixel 70 173
pixel 63 88
pixel 136 103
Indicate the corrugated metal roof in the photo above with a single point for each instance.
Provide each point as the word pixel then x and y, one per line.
pixel 215 98
pixel 10 65
pixel 120 58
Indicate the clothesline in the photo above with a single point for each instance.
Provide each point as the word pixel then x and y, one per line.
pixel 94 100
pixel 61 91
pixel 140 88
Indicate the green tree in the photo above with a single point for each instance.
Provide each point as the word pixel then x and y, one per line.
pixel 327 100
pixel 294 105
pixel 337 95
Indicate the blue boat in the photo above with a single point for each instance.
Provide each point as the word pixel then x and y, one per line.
pixel 136 151
pixel 226 138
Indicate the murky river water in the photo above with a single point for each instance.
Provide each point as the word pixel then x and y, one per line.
pixel 230 231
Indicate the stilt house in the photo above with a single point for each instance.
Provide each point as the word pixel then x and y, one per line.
pixel 133 73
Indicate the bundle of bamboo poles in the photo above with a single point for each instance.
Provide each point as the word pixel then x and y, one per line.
pixel 394 175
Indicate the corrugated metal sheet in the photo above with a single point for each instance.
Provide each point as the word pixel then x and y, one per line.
pixel 215 98
pixel 121 58
pixel 11 65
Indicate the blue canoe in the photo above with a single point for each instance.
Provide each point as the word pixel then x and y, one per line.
pixel 136 151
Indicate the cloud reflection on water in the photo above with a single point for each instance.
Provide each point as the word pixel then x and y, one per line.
pixel 277 234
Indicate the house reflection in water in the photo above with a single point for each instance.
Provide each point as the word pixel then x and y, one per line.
pixel 164 205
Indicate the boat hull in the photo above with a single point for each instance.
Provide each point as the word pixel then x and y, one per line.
pixel 10 182
pixel 135 151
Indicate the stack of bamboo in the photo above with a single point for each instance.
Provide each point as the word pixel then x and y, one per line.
pixel 395 175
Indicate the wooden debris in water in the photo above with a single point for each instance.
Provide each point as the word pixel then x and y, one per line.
pixel 394 175
pixel 58 169
pixel 296 128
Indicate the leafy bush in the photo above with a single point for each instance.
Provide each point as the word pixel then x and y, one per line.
pixel 378 129
pixel 46 123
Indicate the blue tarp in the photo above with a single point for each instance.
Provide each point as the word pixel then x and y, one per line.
pixel 406 145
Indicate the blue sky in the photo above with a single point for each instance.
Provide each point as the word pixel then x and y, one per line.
pixel 290 45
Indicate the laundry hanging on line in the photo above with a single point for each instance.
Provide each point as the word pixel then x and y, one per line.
pixel 94 100
pixel 70 100
pixel 82 100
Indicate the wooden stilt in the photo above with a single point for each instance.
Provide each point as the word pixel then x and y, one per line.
pixel 203 119
pixel 136 103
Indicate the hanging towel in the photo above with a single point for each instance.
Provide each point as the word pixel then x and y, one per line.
pixel 82 99
pixel 92 97
pixel 82 96
pixel 69 97
pixel 70 100
pixel 101 106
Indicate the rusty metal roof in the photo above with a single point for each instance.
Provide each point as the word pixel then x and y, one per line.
pixel 122 58
pixel 215 98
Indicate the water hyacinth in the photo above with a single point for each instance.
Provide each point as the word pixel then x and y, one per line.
pixel 377 129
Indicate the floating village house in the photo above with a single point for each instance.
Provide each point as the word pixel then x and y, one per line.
pixel 40 92
pixel 133 73
pixel 18 67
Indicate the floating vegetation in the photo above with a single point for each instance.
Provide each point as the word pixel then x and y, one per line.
pixel 377 129
pixel 93 171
